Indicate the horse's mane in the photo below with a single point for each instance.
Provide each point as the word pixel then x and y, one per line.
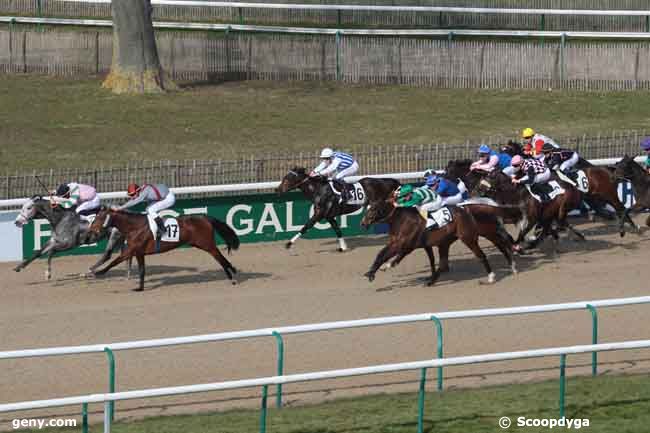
pixel 299 170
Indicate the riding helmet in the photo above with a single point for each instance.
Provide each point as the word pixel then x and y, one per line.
pixel 132 189
pixel 484 149
pixel 527 133
pixel 63 190
pixel 404 190
pixel 645 144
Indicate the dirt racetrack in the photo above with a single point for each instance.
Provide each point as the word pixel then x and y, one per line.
pixel 185 295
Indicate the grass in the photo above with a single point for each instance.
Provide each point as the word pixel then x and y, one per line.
pixel 62 123
pixel 618 404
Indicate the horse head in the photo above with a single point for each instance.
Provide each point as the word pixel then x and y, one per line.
pixel 101 222
pixel 626 168
pixel 457 169
pixel 377 212
pixel 293 179
pixel 33 207
pixel 512 148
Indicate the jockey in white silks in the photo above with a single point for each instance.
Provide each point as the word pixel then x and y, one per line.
pixel 336 166
pixel 158 197
pixel 82 197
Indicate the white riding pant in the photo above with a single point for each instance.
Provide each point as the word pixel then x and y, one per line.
pixel 462 187
pixel 432 206
pixel 351 170
pixel 452 199
pixel 154 208
pixel 95 203
pixel 509 171
pixel 570 162
pixel 543 177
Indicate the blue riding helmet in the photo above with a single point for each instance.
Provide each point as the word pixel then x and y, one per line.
pixel 645 144
pixel 484 149
pixel 432 180
pixel 429 172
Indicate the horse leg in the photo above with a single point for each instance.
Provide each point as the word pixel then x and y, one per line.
pixel 443 250
pixel 432 263
pixel 312 221
pixel 472 244
pixel 126 254
pixel 212 249
pixel 386 253
pixel 339 234
pixel 45 250
pixel 140 258
pixel 504 245
pixel 115 239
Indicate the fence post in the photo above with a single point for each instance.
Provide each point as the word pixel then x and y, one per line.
pixel 423 380
pixel 594 338
pixel 562 383
pixel 338 55
pixel 84 418
pixel 338 18
pixel 542 26
pixel 111 380
pixel 107 416
pixel 241 16
pixel 280 342
pixel 562 59
pixel 647 23
pixel 438 324
pixel 265 393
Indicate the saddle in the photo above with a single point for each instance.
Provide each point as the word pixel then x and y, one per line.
pixel 543 190
pixel 342 189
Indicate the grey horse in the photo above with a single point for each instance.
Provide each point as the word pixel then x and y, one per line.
pixel 69 230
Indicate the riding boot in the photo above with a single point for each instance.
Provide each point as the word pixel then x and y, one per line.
pixel 161 226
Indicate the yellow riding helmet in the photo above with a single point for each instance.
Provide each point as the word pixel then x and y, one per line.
pixel 527 133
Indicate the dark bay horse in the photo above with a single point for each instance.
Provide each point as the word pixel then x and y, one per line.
pixel 195 230
pixel 408 232
pixel 326 203
pixel 68 231
pixel 628 169
pixel 500 188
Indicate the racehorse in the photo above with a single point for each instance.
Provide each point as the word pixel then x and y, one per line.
pixel 195 230
pixel 68 231
pixel 627 169
pixel 408 232
pixel 602 187
pixel 489 220
pixel 326 203
pixel 500 188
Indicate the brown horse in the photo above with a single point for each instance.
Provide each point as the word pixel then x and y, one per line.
pixel 603 187
pixel 628 169
pixel 195 230
pixel 500 188
pixel 408 232
pixel 489 219
pixel 326 203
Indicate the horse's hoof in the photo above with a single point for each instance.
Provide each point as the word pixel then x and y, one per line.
pixel 288 245
pixel 139 289
pixel 233 282
pixel 18 269
pixel 622 234
pixel 370 276
pixel 431 282
pixel 48 275
pixel 492 278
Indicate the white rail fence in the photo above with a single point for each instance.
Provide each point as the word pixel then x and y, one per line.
pixel 280 332
pixel 243 187
pixel 368 15
pixel 341 31
pixel 265 382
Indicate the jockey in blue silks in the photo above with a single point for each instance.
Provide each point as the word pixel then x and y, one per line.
pixel 450 193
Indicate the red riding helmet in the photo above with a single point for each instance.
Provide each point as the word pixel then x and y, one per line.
pixel 132 190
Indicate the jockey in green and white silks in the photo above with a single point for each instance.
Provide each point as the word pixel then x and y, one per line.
pixel 82 197
pixel 425 199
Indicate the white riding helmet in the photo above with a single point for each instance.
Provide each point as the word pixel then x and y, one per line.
pixel 326 153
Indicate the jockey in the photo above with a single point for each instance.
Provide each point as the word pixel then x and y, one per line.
pixel 533 143
pixel 488 159
pixel 337 166
pixel 558 158
pixel 157 197
pixel 423 198
pixel 533 171
pixel 645 145
pixel 449 192
pixel 72 194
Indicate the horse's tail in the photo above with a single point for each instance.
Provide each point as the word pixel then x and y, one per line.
pixel 227 233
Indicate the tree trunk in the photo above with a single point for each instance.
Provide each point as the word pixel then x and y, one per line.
pixel 135 67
